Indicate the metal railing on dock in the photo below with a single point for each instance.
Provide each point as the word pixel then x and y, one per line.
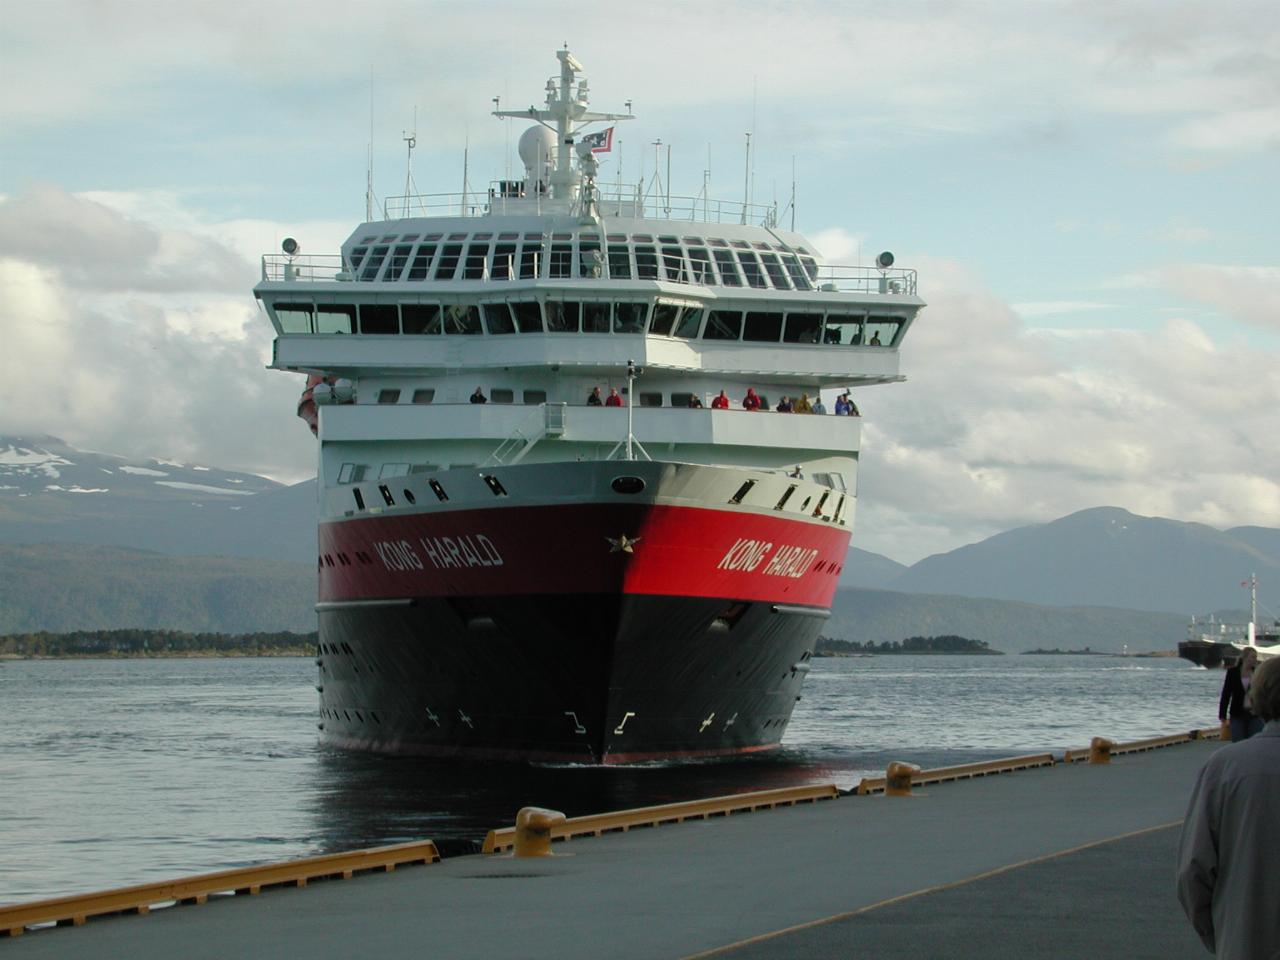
pixel 75 910
pixel 597 824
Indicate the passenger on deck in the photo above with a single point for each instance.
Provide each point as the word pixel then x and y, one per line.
pixel 784 405
pixel 593 398
pixel 613 400
pixel 695 402
pixel 751 401
pixel 803 405
pixel 479 397
pixel 819 406
pixel 875 340
pixel 842 405
pixel 1228 881
pixel 720 402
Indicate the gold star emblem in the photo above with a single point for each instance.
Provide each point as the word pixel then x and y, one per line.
pixel 622 544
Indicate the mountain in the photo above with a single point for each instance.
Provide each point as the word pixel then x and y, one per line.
pixel 868 570
pixel 1108 557
pixel 51 492
pixel 883 615
pixel 62 587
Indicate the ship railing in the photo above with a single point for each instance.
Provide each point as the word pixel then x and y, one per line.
pixel 833 278
pixel 306 267
pixel 700 209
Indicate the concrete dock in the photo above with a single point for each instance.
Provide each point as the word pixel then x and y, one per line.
pixel 1066 861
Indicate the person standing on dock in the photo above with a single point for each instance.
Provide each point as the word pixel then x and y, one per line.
pixel 1229 854
pixel 1233 705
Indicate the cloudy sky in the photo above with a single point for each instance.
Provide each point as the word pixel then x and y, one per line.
pixel 1089 191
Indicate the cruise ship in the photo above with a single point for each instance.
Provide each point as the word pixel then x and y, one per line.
pixel 560 515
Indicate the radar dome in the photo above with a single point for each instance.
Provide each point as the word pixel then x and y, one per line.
pixel 536 146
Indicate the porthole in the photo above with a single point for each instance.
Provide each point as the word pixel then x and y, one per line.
pixel 408 495
pixel 627 485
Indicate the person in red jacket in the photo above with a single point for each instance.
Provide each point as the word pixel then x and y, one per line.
pixel 613 400
pixel 751 401
pixel 721 402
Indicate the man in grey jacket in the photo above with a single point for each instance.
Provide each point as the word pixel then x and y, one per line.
pixel 1229 855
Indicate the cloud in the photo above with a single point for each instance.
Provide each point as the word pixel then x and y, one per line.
pixel 999 425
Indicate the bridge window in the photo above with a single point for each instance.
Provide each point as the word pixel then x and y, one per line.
pixel 373 263
pixel 700 260
pixel 357 255
pixel 664 318
pixel 646 263
pixel 798 276
pixel 689 322
pixel 619 262
pixel 477 254
pixel 590 262
pixel 528 314
pixel 843 328
pixel 379 318
pixel 595 318
pixel 504 261
pixel 501 395
pixel 762 327
pixel 562 317
pixel 723 325
pixel 561 260
pixel 751 269
pixel 497 319
pixel 728 269
pixel 535 397
pixel 774 268
pixel 630 317
pixel 882 331
pixel 650 399
pixel 399 257
pixel 421 265
pixel 810 267
pixel 420 318
pixel 335 318
pixel 802 328
pixel 424 395
pixel 295 317
pixel 462 318
pixel 673 264
pixel 447 264
pixel 530 258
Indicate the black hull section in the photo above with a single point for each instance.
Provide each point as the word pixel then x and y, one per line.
pixel 590 678
pixel 1206 653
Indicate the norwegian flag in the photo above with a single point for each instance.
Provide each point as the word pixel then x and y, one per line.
pixel 600 141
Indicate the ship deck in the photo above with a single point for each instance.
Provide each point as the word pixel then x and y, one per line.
pixel 1066 860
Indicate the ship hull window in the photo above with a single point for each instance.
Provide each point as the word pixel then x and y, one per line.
pixel 424 395
pixel 562 317
pixel 295 317
pixel 689 323
pixel 762 327
pixel 802 328
pixel 665 316
pixel 381 318
pixel 723 325
pixel 528 316
pixel 462 319
pixel 335 318
pixel 650 399
pixel 501 395
pixel 535 397
pixel 595 318
pixel 388 396
pixel 630 317
pixel 420 318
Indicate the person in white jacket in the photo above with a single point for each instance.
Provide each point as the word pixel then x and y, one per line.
pixel 1229 854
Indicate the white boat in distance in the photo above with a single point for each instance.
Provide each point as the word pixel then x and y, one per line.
pixel 511 567
pixel 1222 643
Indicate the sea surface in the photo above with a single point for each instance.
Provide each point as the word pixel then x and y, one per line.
pixel 115 772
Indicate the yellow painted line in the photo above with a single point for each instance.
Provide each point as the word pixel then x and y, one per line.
pixel 595 824
pixel 964 771
pixel 937 888
pixel 14 919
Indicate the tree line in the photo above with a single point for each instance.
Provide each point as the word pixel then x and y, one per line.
pixel 947 644
pixel 155 643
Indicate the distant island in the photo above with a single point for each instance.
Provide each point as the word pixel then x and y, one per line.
pixel 912 646
pixel 84 644
pixel 1086 652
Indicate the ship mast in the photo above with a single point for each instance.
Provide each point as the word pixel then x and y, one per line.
pixel 566 111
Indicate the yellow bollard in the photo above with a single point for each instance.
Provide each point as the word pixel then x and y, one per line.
pixel 897 779
pixel 1100 750
pixel 533 831
pixel 1225 732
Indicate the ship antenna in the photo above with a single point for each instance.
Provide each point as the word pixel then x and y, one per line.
pixel 368 187
pixel 411 140
pixel 746 181
pixel 793 193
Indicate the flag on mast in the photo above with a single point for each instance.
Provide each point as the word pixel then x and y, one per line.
pixel 600 142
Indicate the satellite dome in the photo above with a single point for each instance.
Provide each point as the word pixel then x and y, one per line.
pixel 536 146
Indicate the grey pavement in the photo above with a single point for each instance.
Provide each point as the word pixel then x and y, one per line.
pixel 679 890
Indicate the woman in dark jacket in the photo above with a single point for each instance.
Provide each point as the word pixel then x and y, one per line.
pixel 1232 705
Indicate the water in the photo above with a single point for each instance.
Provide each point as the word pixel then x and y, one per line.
pixel 125 771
